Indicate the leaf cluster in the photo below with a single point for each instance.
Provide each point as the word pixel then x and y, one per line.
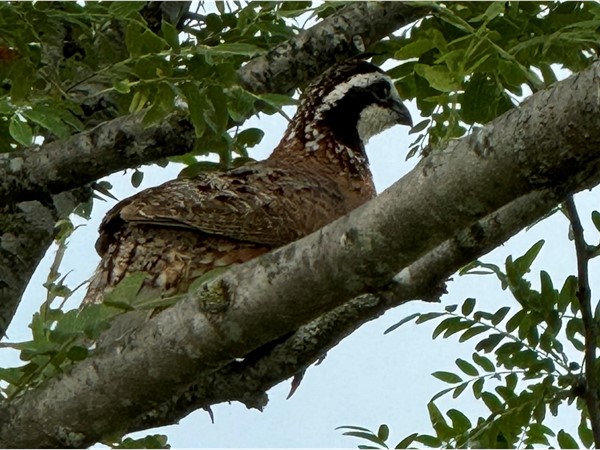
pixel 72 66
pixel 520 370
pixel 468 63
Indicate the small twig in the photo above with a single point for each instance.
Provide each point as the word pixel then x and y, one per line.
pixel 591 331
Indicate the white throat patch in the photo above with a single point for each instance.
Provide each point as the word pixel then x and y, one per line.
pixel 373 120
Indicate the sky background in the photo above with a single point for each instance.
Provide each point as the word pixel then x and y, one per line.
pixel 369 378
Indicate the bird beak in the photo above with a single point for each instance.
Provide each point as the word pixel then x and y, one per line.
pixel 402 113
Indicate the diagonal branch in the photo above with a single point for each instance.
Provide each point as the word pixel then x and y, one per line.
pixel 295 62
pixel 255 303
pixel 247 382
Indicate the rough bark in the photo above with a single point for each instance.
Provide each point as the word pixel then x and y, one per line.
pixel 115 145
pixel 122 143
pixel 542 151
pixel 347 33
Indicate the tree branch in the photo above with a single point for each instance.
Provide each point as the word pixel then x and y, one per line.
pixel 587 316
pixel 248 381
pixel 300 59
pixel 550 144
pixel 115 145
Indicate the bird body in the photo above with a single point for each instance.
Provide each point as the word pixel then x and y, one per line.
pixel 186 227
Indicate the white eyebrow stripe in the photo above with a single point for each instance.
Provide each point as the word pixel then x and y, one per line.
pixel 360 80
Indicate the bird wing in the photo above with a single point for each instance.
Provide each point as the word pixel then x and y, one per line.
pixel 254 203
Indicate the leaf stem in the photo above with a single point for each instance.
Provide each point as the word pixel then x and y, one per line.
pixel 591 331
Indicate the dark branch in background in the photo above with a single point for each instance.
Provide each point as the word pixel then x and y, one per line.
pixel 300 59
pixel 27 229
pixel 34 173
pixel 589 322
pixel 518 155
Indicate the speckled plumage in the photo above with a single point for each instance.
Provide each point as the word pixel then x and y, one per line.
pixel 181 229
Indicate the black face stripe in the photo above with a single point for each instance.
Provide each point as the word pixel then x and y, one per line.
pixel 342 118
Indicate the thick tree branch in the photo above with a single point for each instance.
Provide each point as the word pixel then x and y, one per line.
pixel 335 39
pixel 550 144
pixel 115 145
pixel 248 381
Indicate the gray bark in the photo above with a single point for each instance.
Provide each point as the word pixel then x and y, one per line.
pixel 476 192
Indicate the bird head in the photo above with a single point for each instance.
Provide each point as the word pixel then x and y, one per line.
pixel 354 100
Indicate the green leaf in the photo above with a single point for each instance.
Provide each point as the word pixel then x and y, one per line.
pixel 383 432
pixel 429 316
pixel 151 441
pixel 401 322
pixel 250 137
pixel 136 178
pixel 596 219
pixel 11 375
pixel 467 367
pixel 438 422
pixel 515 320
pixel 124 9
pixel 585 434
pixel 420 126
pixel 369 436
pixel 492 402
pixel 122 86
pixel 451 308
pixel 447 377
pixel 459 389
pixel 48 118
pixel 235 48
pixel 171 35
pixel 240 104
pixel 20 131
pixel 442 393
pixel 444 324
pixel 565 440
pixel 472 332
pixel 438 77
pixel 196 103
pixel 276 101
pixel 489 343
pixel 217 116
pixel 523 263
pixel 125 292
pixel 77 353
pixel 500 315
pixel 468 306
pixel 478 387
pixel 429 441
pixel 483 362
pixel 460 422
pixel 414 49
pixel 404 443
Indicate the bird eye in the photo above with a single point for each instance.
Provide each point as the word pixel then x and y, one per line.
pixel 381 90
